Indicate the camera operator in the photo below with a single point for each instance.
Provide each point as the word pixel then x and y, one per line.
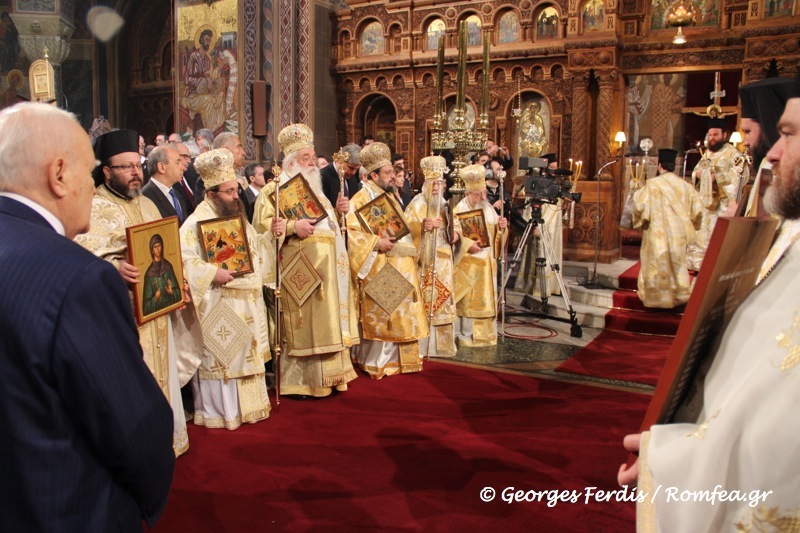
pixel 501 153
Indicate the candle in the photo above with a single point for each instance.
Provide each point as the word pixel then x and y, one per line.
pixel 485 94
pixel 439 77
pixel 462 64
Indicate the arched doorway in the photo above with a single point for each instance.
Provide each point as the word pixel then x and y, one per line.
pixel 376 115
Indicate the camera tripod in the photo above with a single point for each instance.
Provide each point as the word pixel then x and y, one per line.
pixel 537 222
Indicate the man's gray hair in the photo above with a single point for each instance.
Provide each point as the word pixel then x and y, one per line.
pixel 225 140
pixel 158 155
pixel 352 151
pixel 206 134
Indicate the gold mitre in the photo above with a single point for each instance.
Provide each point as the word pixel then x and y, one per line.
pixel 215 167
pixel 474 177
pixel 433 167
pixel 374 156
pixel 295 137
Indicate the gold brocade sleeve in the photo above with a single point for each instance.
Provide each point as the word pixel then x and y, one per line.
pixel 360 243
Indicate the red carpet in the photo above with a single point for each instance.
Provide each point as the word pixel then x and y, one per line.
pixel 630 315
pixel 411 453
pixel 623 356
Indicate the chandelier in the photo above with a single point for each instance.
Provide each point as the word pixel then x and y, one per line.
pixel 680 15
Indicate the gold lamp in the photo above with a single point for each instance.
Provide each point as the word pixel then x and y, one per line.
pixel 736 139
pixel 679 16
pixel 620 139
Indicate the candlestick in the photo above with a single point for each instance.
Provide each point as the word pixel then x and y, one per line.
pixel 484 121
pixel 462 64
pixel 439 79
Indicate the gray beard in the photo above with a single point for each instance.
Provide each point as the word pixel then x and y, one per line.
pixel 784 200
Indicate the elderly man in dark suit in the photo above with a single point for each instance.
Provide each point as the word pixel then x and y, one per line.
pixel 352 181
pixel 166 170
pixel 87 434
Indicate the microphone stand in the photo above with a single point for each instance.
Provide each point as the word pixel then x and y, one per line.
pixel 593 283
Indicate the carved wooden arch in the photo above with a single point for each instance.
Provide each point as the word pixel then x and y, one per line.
pixel 465 14
pixel 398 82
pixel 366 21
pixel 542 4
pixel 359 108
pixel 344 34
pixel 428 19
pixel 381 83
pixel 361 83
pixel 501 10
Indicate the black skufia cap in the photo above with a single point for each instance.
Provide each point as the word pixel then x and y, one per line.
pixel 113 143
pixel 667 155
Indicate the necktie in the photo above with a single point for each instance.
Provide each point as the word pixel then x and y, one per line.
pixel 177 204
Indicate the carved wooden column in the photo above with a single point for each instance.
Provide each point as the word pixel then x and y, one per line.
pixel 606 80
pixel 580 96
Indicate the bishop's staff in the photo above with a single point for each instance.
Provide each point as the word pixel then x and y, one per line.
pixel 276 171
pixel 501 176
pixel 341 157
pixel 433 235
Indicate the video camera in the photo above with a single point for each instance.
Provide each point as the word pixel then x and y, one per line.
pixel 543 185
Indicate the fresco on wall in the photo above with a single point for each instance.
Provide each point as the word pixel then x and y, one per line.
pixel 778 8
pixel 654 103
pixel 372 40
pixel 208 84
pixel 473 30
pixel 508 28
pixel 594 14
pixel 547 24
pixel 435 29
pixel 706 13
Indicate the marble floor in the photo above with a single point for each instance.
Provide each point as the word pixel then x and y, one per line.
pixel 535 346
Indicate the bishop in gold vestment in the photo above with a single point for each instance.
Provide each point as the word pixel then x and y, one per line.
pixel 320 325
pixel 425 218
pixel 229 386
pixel 118 204
pixel 668 210
pixel 390 331
pixel 476 272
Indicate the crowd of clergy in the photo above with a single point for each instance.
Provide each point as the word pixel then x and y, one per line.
pixel 335 278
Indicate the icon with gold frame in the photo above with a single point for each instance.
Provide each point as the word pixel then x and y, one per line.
pixel 473 226
pixel 381 217
pixel 155 249
pixel 299 202
pixel 224 242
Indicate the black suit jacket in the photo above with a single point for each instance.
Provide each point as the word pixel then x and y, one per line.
pixel 330 184
pixel 164 205
pixel 249 201
pixel 87 433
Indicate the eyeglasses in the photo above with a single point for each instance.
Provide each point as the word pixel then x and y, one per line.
pixel 228 191
pixel 127 167
pixel 185 156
